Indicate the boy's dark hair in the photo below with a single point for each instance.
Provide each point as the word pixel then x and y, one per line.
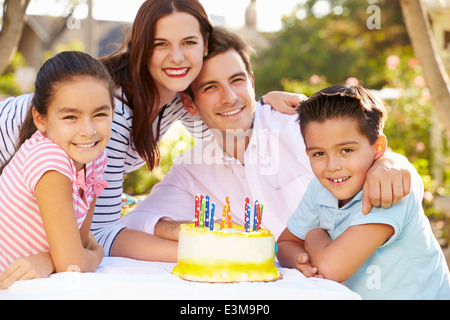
pixel 345 101
pixel 220 41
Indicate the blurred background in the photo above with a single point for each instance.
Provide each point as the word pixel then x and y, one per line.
pixel 302 46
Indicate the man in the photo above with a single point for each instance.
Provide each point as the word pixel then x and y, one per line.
pixel 254 152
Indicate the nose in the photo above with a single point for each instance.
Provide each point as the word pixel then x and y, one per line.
pixel 87 128
pixel 176 55
pixel 334 163
pixel 228 95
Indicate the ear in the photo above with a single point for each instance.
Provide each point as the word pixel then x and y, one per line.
pixel 253 80
pixel 380 146
pixel 39 120
pixel 188 103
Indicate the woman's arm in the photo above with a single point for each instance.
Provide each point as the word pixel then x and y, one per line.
pixel 60 224
pixel 284 102
pixel 338 260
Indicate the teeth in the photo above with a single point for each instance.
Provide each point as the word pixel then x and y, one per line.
pixel 231 112
pixel 173 72
pixel 340 179
pixel 85 145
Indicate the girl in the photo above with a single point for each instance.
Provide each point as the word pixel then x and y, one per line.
pixel 48 189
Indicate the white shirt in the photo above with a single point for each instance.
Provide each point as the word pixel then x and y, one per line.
pixel 276 173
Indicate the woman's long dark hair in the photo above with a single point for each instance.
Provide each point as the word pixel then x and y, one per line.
pixel 128 67
pixel 64 66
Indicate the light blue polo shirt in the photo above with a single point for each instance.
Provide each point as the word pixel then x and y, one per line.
pixel 410 265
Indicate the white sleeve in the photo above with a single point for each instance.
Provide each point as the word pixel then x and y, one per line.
pixel 169 198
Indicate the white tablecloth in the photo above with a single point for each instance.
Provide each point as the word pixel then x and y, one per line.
pixel 121 278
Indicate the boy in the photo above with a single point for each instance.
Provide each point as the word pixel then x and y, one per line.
pixel 388 254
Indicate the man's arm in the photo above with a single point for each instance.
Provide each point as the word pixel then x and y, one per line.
pixel 388 181
pixel 169 205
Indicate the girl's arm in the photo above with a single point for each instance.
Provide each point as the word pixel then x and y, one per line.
pixel 27 268
pixel 41 265
pixel 54 196
pixel 292 254
pixel 338 260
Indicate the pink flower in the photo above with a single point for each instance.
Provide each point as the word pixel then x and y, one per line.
pixel 413 62
pixel 314 79
pixel 419 82
pixel 428 196
pixel 352 81
pixel 392 62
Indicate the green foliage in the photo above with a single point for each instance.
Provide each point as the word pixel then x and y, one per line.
pixel 337 46
pixel 176 140
pixel 8 83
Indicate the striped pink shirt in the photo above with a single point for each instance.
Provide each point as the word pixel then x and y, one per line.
pixel 21 228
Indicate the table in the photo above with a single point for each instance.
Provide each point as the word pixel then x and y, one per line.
pixel 123 278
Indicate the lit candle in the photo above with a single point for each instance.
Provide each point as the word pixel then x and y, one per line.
pixel 207 212
pixel 247 219
pixel 258 219
pixel 213 210
pixel 224 217
pixel 197 209
pixel 245 212
pixel 262 207
pixel 229 216
pixel 255 217
pixel 202 214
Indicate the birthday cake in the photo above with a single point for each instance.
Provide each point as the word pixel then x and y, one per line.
pixel 225 253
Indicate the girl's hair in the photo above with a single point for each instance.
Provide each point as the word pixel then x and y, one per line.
pixel 128 66
pixel 343 101
pixel 63 67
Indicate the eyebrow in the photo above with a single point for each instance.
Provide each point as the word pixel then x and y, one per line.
pixel 184 39
pixel 76 110
pixel 207 83
pixel 336 145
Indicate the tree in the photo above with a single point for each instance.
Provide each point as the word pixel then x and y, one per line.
pixel 13 15
pixel 422 40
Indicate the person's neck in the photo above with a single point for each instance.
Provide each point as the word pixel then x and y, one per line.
pixel 234 142
pixel 165 98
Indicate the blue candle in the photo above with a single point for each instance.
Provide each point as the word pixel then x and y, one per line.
pixel 207 212
pixel 255 217
pixel 247 219
pixel 213 210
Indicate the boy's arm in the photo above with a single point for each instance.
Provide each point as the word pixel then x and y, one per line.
pixel 338 260
pixel 292 254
